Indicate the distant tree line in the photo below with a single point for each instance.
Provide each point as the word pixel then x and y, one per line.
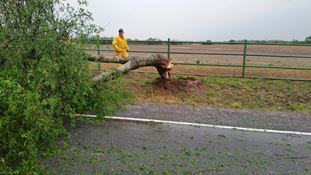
pixel 157 41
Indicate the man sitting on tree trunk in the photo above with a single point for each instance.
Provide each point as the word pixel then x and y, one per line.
pixel 119 44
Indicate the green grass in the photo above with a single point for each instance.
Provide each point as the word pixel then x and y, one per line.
pixel 259 93
pixel 239 93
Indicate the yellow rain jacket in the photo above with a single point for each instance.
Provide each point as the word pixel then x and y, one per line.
pixel 120 46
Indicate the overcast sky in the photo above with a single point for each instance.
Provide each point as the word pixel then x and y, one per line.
pixel 215 20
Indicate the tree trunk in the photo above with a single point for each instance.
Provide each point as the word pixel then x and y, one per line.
pixel 160 62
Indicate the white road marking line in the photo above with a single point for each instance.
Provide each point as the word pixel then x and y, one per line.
pixel 200 125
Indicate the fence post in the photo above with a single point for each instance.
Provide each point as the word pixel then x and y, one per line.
pixel 168 48
pixel 98 51
pixel 244 59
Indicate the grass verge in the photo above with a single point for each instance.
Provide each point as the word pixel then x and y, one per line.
pixel 240 93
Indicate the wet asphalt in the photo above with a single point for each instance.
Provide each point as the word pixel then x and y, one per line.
pixel 290 121
pixel 121 147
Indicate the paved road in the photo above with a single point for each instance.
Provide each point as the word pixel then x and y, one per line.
pixel 136 148
pixel 220 116
pixel 121 147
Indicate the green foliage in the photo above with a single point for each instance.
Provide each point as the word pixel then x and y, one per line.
pixel 294 106
pixel 44 80
pixel 207 42
pixel 308 39
pixel 26 128
pixel 153 41
pixel 294 41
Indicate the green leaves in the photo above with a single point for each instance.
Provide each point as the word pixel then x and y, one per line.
pixel 44 79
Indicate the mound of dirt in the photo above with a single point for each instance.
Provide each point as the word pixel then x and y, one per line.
pixel 188 85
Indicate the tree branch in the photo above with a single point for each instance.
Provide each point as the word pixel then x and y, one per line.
pixel 161 63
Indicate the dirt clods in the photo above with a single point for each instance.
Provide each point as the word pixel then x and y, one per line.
pixel 188 85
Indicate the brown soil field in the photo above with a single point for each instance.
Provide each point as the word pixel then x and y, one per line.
pixel 232 60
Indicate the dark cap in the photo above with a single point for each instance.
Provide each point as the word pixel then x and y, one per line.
pixel 121 30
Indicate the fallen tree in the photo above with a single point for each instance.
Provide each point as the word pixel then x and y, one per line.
pixel 162 63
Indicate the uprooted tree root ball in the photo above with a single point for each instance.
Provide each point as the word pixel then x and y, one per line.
pixel 188 85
